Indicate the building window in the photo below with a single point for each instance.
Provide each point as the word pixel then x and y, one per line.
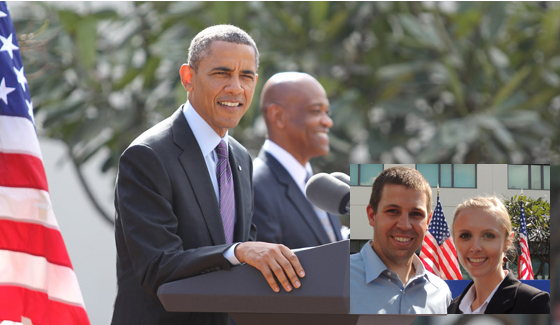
pixel 546 176
pixel 369 172
pixel 448 175
pixel 354 174
pixel 365 174
pixel 518 176
pixel 446 179
pixel 533 177
pixel 430 173
pixel 464 175
pixel 536 177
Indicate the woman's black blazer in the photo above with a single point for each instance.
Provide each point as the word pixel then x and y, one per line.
pixel 512 297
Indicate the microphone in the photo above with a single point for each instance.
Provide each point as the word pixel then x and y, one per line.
pixel 328 193
pixel 341 177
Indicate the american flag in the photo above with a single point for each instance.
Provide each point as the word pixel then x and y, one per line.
pixel 525 268
pixel 438 252
pixel 37 282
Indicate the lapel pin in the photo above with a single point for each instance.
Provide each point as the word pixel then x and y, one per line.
pixel 239 167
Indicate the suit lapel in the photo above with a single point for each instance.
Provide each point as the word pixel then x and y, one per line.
pixel 194 165
pixel 294 194
pixel 502 301
pixel 455 307
pixel 504 298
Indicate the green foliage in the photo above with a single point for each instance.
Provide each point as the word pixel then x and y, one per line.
pixel 409 82
pixel 537 217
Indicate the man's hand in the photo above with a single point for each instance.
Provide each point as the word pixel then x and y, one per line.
pixel 272 258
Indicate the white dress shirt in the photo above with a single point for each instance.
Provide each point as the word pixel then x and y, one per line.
pixel 208 140
pixel 465 305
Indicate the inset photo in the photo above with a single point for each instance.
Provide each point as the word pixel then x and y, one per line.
pixel 450 238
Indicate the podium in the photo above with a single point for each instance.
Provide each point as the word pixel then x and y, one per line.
pixel 323 298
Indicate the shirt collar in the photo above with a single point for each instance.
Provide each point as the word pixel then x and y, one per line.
pixel 418 266
pixel 294 168
pixel 206 137
pixel 374 265
pixel 377 266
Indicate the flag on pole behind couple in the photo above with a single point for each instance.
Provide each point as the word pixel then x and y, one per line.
pixel 524 266
pixel 37 282
pixel 438 252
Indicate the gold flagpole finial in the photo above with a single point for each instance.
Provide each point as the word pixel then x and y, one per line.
pixel 438 190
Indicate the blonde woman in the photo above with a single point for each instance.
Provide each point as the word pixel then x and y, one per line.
pixel 482 234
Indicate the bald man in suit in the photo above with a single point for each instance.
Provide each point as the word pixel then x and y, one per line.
pixel 296 111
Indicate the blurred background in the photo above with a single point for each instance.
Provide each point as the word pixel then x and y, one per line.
pixel 408 82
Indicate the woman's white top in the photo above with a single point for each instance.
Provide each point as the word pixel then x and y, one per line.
pixel 465 305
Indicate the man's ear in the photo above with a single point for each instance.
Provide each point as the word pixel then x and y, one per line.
pixel 430 218
pixel 370 215
pixel 275 114
pixel 186 73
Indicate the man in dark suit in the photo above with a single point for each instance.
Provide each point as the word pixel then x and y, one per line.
pixel 296 111
pixel 184 193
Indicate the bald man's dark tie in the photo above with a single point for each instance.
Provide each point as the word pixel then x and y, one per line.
pixel 225 184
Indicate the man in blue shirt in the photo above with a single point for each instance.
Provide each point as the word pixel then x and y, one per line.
pixel 386 276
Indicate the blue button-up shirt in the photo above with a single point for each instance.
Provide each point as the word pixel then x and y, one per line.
pixel 374 289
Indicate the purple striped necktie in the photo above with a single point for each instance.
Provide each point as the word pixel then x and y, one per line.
pixel 225 184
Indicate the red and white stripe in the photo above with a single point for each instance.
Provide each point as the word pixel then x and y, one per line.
pixel 37 282
pixel 429 254
pixel 525 266
pixel 442 261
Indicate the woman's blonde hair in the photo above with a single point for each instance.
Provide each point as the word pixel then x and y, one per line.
pixel 491 203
